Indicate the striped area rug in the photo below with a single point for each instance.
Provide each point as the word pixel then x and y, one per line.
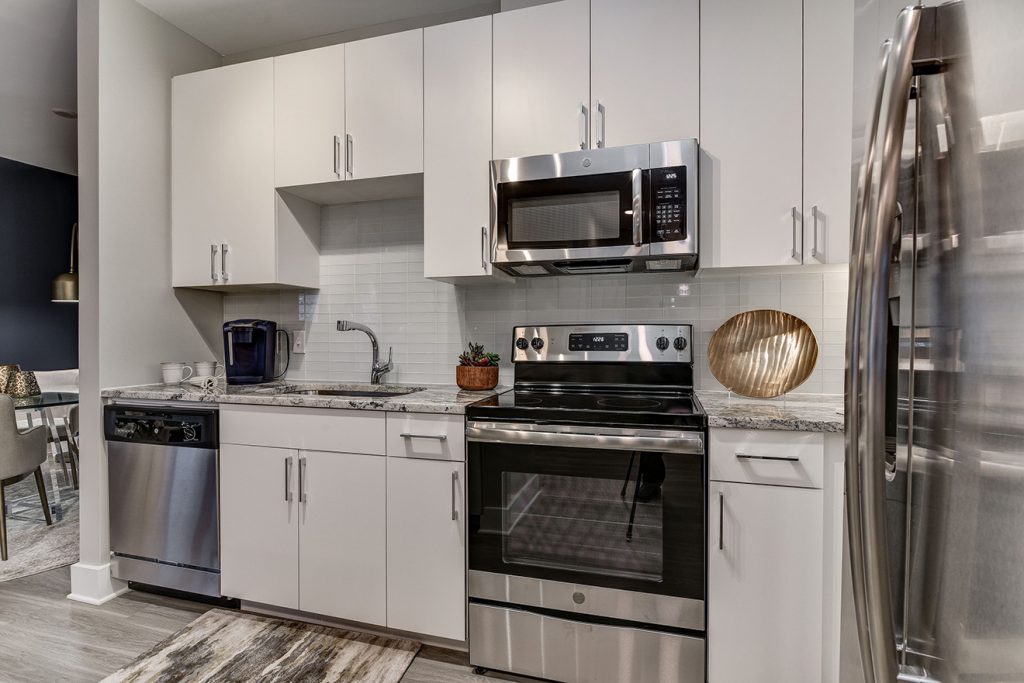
pixel 232 646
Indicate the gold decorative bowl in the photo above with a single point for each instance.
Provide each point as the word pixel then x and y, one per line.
pixel 763 353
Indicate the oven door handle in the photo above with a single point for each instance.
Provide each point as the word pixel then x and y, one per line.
pixel 684 443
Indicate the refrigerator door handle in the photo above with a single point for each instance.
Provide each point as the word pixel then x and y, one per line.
pixel 867 320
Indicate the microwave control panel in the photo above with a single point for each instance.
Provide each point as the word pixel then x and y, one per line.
pixel 668 204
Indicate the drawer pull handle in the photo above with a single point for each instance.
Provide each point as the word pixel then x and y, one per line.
pixel 784 458
pixel 439 437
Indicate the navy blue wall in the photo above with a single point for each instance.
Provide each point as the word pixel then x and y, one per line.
pixel 37 209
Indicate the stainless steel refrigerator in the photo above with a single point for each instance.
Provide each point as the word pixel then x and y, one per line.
pixel 935 354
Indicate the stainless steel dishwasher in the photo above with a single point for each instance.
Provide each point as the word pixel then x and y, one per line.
pixel 164 507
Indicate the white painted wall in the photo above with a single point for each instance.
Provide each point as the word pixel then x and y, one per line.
pixel 131 318
pixel 37 74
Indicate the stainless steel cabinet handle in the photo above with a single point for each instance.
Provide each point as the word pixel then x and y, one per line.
pixel 302 481
pixel 349 153
pixel 814 228
pixel 439 437
pixel 337 155
pixel 600 124
pixel 584 126
pixel 794 253
pixel 483 248
pixel 213 262
pixel 638 188
pixel 455 495
pixel 721 521
pixel 288 479
pixel 784 458
pixel 224 274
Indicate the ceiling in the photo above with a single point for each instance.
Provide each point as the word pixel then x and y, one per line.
pixel 233 26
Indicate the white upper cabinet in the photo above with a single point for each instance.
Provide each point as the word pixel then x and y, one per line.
pixel 457 149
pixel 828 126
pixel 384 105
pixel 644 71
pixel 542 79
pixel 309 116
pixel 751 133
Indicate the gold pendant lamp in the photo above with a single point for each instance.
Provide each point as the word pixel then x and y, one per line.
pixel 65 285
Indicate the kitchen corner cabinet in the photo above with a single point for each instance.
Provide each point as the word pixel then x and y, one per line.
pixel 457 149
pixel 309 116
pixel 384 105
pixel 627 74
pixel 229 227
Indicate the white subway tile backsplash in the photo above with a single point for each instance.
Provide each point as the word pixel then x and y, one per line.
pixel 371 267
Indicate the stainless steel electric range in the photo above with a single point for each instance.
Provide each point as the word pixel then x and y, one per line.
pixel 586 494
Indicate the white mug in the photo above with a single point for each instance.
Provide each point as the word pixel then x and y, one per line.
pixel 209 368
pixel 174 373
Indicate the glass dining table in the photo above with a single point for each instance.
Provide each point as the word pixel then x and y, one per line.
pixel 44 404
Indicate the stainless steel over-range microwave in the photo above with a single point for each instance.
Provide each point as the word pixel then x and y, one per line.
pixel 609 210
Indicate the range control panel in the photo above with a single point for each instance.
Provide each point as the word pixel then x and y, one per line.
pixel 635 342
pixel 668 204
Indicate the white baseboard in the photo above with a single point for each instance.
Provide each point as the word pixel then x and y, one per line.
pixel 93 584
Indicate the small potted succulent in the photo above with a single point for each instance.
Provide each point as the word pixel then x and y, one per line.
pixel 477 369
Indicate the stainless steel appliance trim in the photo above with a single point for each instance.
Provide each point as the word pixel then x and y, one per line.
pixel 224 274
pixel 597 601
pixel 521 256
pixel 531 644
pixel 638 207
pixel 153 573
pixel 455 495
pixel 568 164
pixel 439 437
pixel 643 347
pixel 866 357
pixel 579 436
pixel 288 479
pixel 213 262
pixel 784 458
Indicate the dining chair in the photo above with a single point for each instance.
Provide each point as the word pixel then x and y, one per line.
pixel 58 381
pixel 21 454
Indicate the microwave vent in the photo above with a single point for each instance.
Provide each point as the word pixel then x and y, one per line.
pixel 530 270
pixel 594 267
pixel 664 264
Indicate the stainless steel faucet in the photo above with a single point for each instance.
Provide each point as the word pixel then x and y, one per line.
pixel 378 369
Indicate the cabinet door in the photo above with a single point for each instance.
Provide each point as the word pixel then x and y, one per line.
pixel 456 148
pixel 426 547
pixel 828 122
pixel 751 119
pixel 644 71
pixel 765 583
pixel 259 531
pixel 222 174
pixel 342 537
pixel 309 116
pixel 384 104
pixel 541 79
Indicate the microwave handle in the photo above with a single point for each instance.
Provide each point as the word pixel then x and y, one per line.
pixel 638 187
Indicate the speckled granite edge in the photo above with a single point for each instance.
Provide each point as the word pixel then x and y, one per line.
pixel 795 413
pixel 444 399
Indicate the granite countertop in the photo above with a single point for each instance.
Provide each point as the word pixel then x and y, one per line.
pixel 795 412
pixel 436 398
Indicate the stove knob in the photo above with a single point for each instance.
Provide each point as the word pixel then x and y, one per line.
pixel 679 343
pixel 537 343
pixel 661 343
pixel 522 343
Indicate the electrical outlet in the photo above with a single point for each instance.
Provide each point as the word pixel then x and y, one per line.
pixel 299 342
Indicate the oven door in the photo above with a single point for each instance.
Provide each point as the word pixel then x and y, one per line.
pixel 567 207
pixel 582 520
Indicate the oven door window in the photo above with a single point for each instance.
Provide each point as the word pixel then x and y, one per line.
pixel 619 519
pixel 565 213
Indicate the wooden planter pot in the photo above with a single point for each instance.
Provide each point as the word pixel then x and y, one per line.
pixel 473 378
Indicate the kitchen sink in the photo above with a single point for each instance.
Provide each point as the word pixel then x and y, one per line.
pixel 354 393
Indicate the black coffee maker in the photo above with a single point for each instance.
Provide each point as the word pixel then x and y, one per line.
pixel 250 351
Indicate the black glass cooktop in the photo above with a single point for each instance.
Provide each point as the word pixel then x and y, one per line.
pixel 668 408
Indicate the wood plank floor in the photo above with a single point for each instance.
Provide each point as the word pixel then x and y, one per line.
pixel 46 637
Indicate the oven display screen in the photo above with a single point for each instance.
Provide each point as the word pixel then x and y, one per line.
pixel 608 341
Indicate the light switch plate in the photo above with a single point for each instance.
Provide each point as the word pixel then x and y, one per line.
pixel 299 342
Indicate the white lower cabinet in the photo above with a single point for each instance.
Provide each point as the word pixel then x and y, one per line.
pixel 765 583
pixel 342 536
pixel 426 547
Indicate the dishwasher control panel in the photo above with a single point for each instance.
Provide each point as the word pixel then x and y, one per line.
pixel 173 427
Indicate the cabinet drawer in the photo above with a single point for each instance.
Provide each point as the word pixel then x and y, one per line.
pixel 427 435
pixel 314 429
pixel 768 457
